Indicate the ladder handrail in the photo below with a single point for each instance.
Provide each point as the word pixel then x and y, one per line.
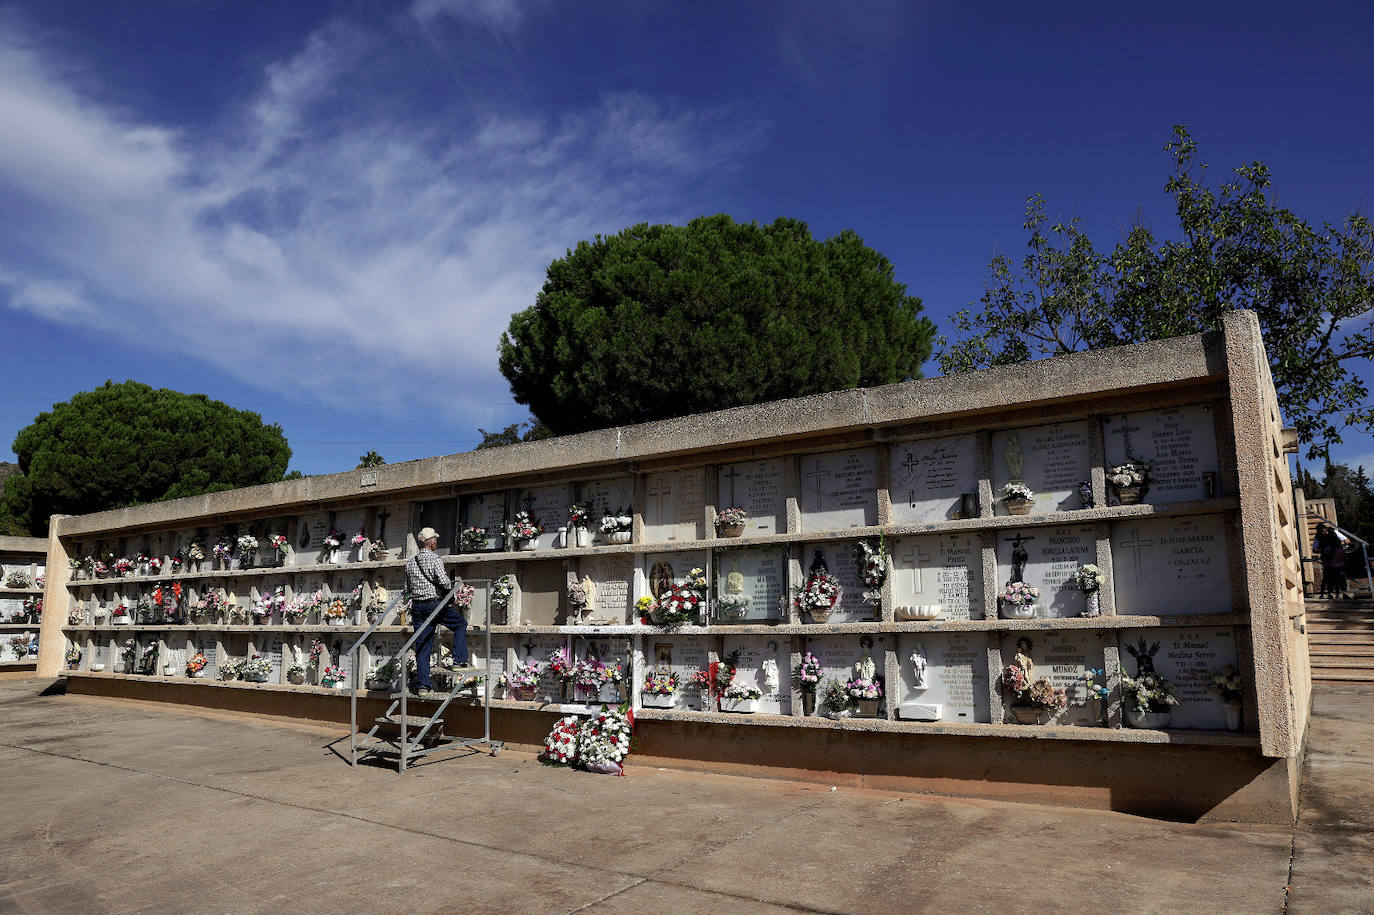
pixel 353 673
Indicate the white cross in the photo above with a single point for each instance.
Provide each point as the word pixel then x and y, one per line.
pixel 914 558
pixel 1134 546
pixel 661 498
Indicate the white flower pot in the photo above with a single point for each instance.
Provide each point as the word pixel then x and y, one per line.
pixel 97 668
pixel 654 700
pixel 620 536
pixel 529 545
pixel 255 678
pixel 918 612
pixel 123 620
pixel 169 670
pixel 1150 720
pixel 202 674
pixel 1018 611
pixel 1233 717
pixel 584 537
pixel 336 621
pixel 742 706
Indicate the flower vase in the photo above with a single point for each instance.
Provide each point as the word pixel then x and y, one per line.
pixel 525 693
pixel 657 700
pixel 529 545
pixel 143 568
pixel 565 690
pixel 560 540
pixel 1233 717
pixel 1018 611
pixel 819 616
pixel 1025 714
pixel 866 708
pixel 1018 506
pixel 739 706
pixel 620 537
pixel 584 537
pixel 1150 720
pixel 731 530
pixel 336 621
pixel 1130 495
pixel 1094 604
pixel 201 674
pixel 808 704
pixel 295 677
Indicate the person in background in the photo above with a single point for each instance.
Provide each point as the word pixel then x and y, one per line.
pixel 428 583
pixel 1329 546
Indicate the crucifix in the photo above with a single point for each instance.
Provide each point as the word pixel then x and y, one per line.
pixel 529 649
pixel 660 495
pixel 1019 556
pixel 818 473
pixel 529 505
pixel 909 465
pixel 381 523
pixel 1134 545
pixel 1125 433
pixel 915 558
pixel 731 475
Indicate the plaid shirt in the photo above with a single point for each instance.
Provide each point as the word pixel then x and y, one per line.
pixel 425 571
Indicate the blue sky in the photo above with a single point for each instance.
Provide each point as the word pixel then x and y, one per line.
pixel 327 212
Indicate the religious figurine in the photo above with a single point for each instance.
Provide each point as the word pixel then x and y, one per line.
pixel 918 668
pixel 589 588
pixel 660 578
pixel 866 668
pixel 1085 494
pixel 1019 557
pixel 1023 658
pixel 1014 458
pixel 734 582
pixel 769 668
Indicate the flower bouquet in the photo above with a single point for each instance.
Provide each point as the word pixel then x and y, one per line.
pixel 872 558
pixel 472 539
pixel 1227 684
pixel 463 595
pixel 1030 699
pixel 1095 691
pixel 358 539
pixel 195 553
pixel 560 747
pixel 1131 480
pixel 740 698
pixel 1018 498
pixel 730 521
pixel 524 680
pixel 603 740
pixel 382 676
pixel 73 657
pixel 502 590
pixel 589 676
pixel 660 689
pixel 122 566
pixel 681 604
pixel 807 675
pixel 119 616
pixel 336 612
pixel 76 616
pixel 562 667
pixel 230 669
pixel 865 691
pixel 222 551
pixel 1148 700
pixel 257 669
pixel 818 595
pixel 617 528
pixel 333 677
pixel 198 667
pixel 332 541
pixel 248 549
pixel 1088 578
pixel 280 548
pixel 525 531
pixel 1018 601
pixel 579 516
pixel 295 674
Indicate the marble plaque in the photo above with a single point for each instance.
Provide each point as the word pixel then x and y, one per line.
pixel 538 648
pixel 1053 460
pixel 1063 657
pixel 956 676
pixel 308 544
pixel 753 652
pixel 1052 556
pixel 839 655
pixel 548 506
pixel 542 587
pixel 174 653
pixel 839 490
pixel 273 649
pixel 763 574
pixel 930 477
pixel 348 524
pixel 841 558
pixel 489 511
pixel 760 488
pixel 607 497
pixel 674 506
pixel 393 519
pixel 683 655
pixel 613 576
pixel 1171 566
pixel 946 569
pixel 1187 658
pixel 1180 445
pixel 442 515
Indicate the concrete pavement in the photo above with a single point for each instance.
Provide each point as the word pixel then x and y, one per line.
pixel 117 806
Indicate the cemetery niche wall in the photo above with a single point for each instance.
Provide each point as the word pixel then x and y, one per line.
pixel 1015 583
pixel 23 571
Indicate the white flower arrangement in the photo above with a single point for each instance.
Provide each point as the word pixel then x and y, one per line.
pixel 1129 473
pixel 616 524
pixel 1088 578
pixel 1017 492
pixel 256 666
pixel 739 692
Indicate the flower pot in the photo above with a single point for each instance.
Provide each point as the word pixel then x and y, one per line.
pixel 1151 720
pixel 741 706
pixel 808 704
pixel 656 700
pixel 201 674
pixel 731 530
pixel 583 537
pixel 1025 715
pixel 97 668
pixel 1018 506
pixel 336 621
pixel 255 678
pixel 565 690
pixel 295 678
pixel 819 616
pixel 866 708
pixel 734 612
pixel 918 612
pixel 1233 717
pixel 122 621
pixel 524 693
pixel 1130 495
pixel 169 670
pixel 375 684
pixel 528 545
pixel 1018 611
pixel 620 536
pixel 1093 604
pixel 381 555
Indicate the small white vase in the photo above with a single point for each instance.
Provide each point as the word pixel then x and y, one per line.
pixel 1150 720
pixel 1018 611
pixel 655 700
pixel 620 537
pixel 583 537
pixel 1233 717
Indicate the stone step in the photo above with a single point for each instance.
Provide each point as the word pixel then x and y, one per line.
pixel 1319 637
pixel 1343 675
pixel 1326 649
pixel 1352 661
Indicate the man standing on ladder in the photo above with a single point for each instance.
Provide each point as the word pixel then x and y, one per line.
pixel 428 582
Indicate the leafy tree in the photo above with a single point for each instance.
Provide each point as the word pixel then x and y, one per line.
pixel 528 431
pixel 663 321
pixel 1312 288
pixel 123 444
pixel 371 459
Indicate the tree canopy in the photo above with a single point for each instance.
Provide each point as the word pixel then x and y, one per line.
pixel 124 444
pixel 1312 288
pixel 661 321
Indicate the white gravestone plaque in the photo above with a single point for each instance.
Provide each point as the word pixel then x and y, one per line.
pixel 762 576
pixel 273 649
pixel 956 676
pixel 1179 444
pixel 757 487
pixel 487 511
pixel 308 544
pixel 839 490
pixel 607 497
pixel 839 655
pixel 930 477
pixel 548 506
pixel 753 651
pixel 1171 566
pixel 683 656
pixel 349 524
pixel 842 561
pixel 607 651
pixel 674 506
pixel 1063 657
pixel 945 570
pixel 1052 556
pixel 1053 460
pixel 612 576
pixel 1187 658
pixel 660 569
pixel 538 648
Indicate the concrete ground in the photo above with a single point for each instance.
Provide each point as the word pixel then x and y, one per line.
pixel 116 806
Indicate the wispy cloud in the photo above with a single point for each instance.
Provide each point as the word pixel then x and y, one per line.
pixel 497 15
pixel 320 233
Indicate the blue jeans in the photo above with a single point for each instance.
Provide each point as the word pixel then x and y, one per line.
pixel 450 617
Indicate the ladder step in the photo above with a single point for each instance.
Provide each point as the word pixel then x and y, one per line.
pixel 410 721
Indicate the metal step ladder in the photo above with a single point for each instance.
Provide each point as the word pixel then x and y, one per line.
pixel 417 736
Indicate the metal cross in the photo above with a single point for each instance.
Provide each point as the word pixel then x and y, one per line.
pixel 381 523
pixel 1125 433
pixel 818 473
pixel 909 463
pixel 730 475
pixel 1134 546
